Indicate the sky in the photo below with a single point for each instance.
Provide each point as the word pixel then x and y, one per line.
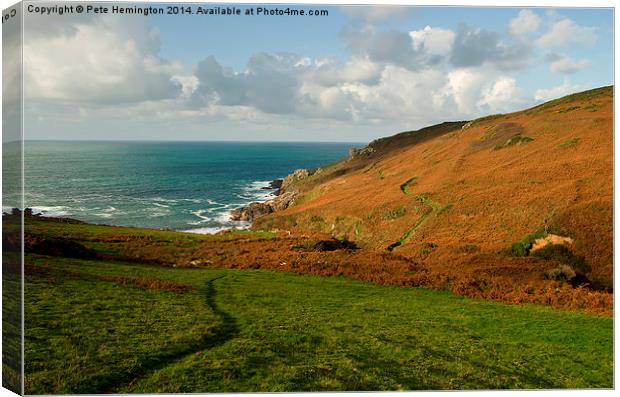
pixel 355 75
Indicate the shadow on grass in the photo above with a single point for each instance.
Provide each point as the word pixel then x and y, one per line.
pixel 216 336
pixel 485 373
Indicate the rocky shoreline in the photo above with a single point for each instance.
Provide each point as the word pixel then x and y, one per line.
pixel 285 196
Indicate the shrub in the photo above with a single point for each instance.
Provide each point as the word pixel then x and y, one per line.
pixel 395 213
pixel 515 140
pixel 59 247
pixel 317 219
pixel 405 185
pixel 423 198
pixel 522 248
pixel 469 248
pixel 569 109
pixel 569 143
pixel 561 254
pixel 561 273
pixel 445 208
pixel 325 245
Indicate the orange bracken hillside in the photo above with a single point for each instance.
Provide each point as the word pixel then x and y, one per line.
pixel 454 198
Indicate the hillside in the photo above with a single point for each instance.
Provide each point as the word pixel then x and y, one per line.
pixel 114 309
pixel 319 296
pixel 465 200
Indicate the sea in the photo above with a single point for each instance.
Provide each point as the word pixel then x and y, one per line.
pixel 185 186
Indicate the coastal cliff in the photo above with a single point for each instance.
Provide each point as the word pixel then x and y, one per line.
pixel 285 196
pixel 470 199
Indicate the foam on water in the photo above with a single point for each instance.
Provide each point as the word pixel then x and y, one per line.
pixel 53 211
pixel 176 185
pixel 214 230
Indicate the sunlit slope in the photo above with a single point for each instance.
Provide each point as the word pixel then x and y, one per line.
pixel 457 194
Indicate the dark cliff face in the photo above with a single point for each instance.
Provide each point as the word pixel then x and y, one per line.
pixel 276 184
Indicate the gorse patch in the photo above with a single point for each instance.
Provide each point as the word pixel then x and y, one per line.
pixel 409 182
pixel 395 213
pixel 563 255
pixel 570 143
pixel 522 247
pixel 569 109
pixel 515 140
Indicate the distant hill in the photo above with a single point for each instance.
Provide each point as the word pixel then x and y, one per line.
pixel 473 197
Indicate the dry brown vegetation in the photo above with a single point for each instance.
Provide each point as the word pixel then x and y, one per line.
pixel 457 213
pixel 470 274
pixel 554 172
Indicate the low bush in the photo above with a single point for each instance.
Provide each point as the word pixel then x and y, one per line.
pixel 317 219
pixel 395 213
pixel 569 143
pixel 469 249
pixel 563 255
pixel 515 140
pixel 407 183
pixel 522 248
pixel 325 245
pixel 561 273
pixel 58 247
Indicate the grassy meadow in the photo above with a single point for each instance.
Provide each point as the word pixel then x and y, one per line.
pixel 122 322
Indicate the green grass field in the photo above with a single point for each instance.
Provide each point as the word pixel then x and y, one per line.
pixel 93 328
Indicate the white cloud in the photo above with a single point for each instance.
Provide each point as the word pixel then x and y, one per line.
pixel 463 86
pixel 526 22
pixel 435 41
pixel 502 96
pixel 106 60
pixel 566 33
pixel 108 71
pixel 565 88
pixel 481 91
pixel 565 65
pixel 401 94
pixel 356 69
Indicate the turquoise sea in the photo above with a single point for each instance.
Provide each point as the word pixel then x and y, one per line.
pixel 189 186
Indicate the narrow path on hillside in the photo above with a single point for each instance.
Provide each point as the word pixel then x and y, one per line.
pixel 423 198
pixel 227 330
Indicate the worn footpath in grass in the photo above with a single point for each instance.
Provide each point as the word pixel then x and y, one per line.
pixel 256 330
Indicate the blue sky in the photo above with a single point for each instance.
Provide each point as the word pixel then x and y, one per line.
pixel 233 41
pixel 355 75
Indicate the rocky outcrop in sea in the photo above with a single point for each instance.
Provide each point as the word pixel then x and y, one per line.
pixel 284 197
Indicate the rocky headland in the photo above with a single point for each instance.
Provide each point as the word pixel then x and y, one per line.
pixel 285 196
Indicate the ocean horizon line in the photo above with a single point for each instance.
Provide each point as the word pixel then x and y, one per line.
pixel 181 141
pixel 173 184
